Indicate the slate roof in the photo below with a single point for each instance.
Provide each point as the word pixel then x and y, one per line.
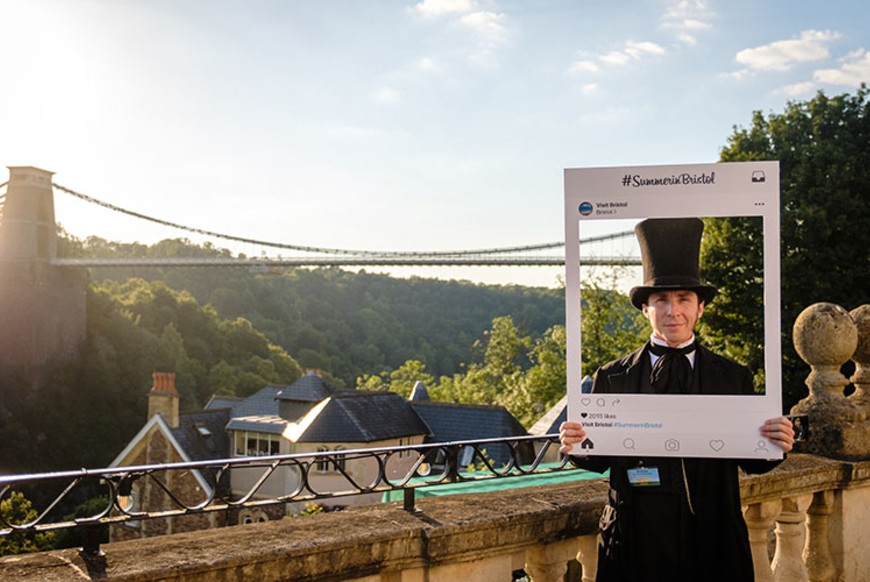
pixel 266 424
pixel 260 403
pixel 461 422
pixel 308 388
pixel 202 436
pixel 221 402
pixel 364 416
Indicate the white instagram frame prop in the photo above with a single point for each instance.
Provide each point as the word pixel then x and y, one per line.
pixel 675 425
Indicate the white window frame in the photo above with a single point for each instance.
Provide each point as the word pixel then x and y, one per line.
pixel 249 444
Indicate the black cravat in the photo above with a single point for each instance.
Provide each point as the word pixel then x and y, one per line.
pixel 672 372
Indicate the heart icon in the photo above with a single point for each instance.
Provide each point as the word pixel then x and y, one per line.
pixel 717 445
pixel 583 414
pixel 585 401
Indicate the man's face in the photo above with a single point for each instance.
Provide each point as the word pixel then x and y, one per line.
pixel 673 314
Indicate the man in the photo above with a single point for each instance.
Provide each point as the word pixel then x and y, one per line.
pixel 670 518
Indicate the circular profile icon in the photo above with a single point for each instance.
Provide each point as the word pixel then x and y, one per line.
pixel 586 208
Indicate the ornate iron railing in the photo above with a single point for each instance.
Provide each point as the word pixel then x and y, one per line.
pixel 431 464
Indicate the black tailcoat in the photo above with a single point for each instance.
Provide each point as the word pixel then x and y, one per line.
pixel 654 535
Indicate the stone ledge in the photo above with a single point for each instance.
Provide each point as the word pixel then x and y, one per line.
pixel 797 474
pixel 353 543
pixel 803 473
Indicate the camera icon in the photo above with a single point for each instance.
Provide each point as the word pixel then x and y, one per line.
pixel 672 445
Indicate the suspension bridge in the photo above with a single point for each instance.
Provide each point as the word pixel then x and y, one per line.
pixel 280 254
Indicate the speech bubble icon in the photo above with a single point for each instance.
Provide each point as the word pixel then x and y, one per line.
pixel 628 443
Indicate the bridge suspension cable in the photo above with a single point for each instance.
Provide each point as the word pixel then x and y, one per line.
pixel 333 251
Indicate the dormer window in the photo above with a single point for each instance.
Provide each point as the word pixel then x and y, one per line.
pixel 256 444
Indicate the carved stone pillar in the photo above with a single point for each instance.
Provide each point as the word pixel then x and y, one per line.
pixel 788 564
pixel 759 521
pixel 548 563
pixel 825 337
pixel 861 357
pixel 817 551
pixel 588 557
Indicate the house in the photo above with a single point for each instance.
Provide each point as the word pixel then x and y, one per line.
pixel 308 416
pixel 316 418
pixel 451 422
pixel 172 437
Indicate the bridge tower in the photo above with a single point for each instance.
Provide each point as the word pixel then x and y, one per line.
pixel 42 307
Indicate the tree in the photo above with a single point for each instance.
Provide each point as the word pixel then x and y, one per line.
pixel 610 326
pixel 544 383
pixel 823 148
pixel 732 261
pixel 17 510
pixel 401 380
pixel 498 375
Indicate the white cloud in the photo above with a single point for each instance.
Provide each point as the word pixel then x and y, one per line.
pixel 781 55
pixel 437 8
pixel 589 88
pixel 854 70
pixel 614 58
pixel 583 66
pixel 488 26
pixel 687 17
pixel 736 75
pixel 429 65
pixel 490 34
pixel 633 51
pixel 798 89
pixel 387 96
pixel 638 49
pixel 686 38
pixel 692 24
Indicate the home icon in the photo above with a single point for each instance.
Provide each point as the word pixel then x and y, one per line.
pixel 587 444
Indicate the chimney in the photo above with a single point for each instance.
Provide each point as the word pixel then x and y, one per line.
pixel 163 398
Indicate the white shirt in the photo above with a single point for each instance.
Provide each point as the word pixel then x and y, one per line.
pixel 660 342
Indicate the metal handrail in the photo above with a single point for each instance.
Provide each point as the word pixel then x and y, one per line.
pixel 118 482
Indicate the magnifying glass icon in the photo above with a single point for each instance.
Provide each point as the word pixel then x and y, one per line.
pixel 628 443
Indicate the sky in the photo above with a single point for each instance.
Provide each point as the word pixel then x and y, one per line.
pixel 391 125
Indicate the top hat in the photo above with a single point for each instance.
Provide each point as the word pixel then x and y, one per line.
pixel 670 249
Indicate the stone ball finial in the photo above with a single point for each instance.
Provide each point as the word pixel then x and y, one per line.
pixel 825 335
pixel 861 317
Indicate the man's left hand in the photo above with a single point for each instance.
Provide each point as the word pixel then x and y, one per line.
pixel 780 431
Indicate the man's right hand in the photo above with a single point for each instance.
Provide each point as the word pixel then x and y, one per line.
pixel 570 433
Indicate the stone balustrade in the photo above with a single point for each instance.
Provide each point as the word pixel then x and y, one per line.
pixel 808 519
pixel 815 509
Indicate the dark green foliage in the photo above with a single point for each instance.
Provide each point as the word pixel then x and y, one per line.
pixel 347 324
pixel 732 261
pixel 17 510
pixel 610 326
pixel 525 372
pixel 83 414
pixel 823 147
